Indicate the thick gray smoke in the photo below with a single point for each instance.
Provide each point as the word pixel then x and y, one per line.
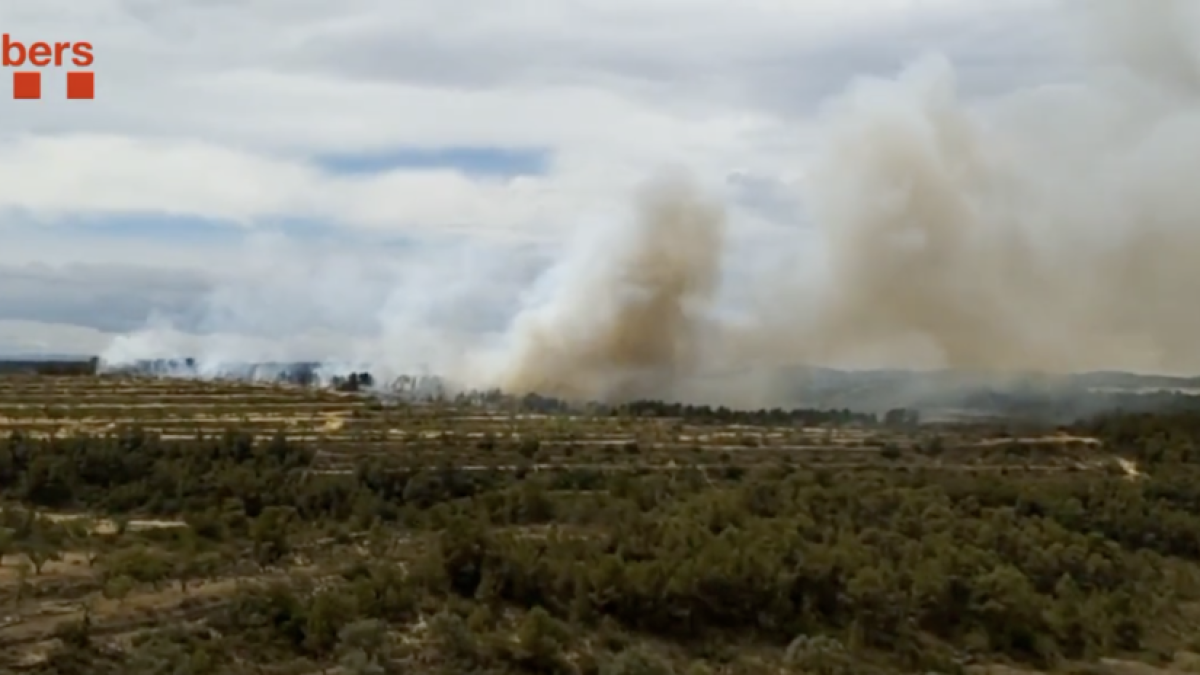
pixel 630 307
pixel 1053 229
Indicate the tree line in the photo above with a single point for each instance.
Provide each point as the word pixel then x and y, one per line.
pixel 570 572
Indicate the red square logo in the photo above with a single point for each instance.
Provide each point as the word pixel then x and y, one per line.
pixel 27 84
pixel 81 84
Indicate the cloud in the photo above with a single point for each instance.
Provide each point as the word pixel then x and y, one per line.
pixel 220 110
pixel 34 339
pixel 242 153
pixel 52 177
pixel 103 297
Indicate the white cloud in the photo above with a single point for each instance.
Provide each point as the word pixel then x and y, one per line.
pixel 222 109
pixel 213 109
pixel 37 338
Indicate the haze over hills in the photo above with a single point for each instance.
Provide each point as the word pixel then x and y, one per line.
pixel 26 357
pixel 949 392
pixel 938 394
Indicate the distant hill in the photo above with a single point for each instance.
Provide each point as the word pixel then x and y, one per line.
pixel 45 358
pixel 937 394
pixel 49 365
pixel 962 393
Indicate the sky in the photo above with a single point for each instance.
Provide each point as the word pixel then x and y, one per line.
pixel 281 168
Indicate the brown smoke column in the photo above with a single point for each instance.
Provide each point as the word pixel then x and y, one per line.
pixel 1052 229
pixel 629 320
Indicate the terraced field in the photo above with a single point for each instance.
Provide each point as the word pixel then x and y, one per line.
pixel 156 559
pixel 347 428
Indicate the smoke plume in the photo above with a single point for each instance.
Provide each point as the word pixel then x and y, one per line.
pixel 1055 229
pixel 628 315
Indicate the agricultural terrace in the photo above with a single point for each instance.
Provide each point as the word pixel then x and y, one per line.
pixel 222 527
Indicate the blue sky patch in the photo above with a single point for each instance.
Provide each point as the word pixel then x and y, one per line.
pixel 183 229
pixel 150 226
pixel 492 161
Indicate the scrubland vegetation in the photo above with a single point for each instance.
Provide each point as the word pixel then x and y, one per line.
pixel 166 526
